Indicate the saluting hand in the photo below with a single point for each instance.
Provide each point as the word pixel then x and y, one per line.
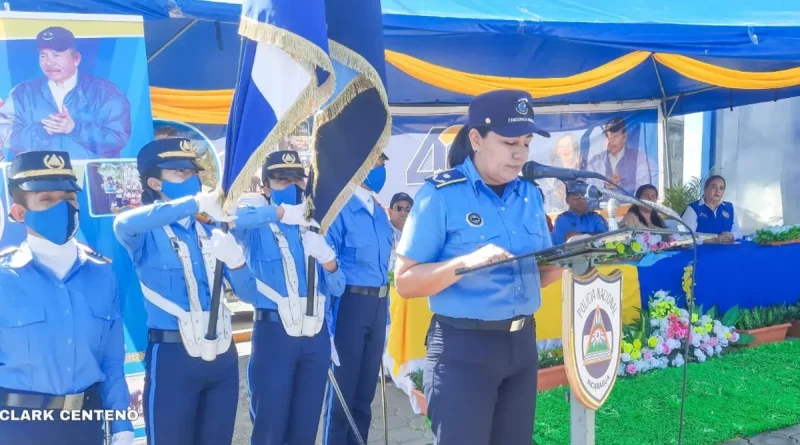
pixel 489 253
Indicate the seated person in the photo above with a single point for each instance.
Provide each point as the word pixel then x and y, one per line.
pixel 639 217
pixel 713 215
pixel 578 220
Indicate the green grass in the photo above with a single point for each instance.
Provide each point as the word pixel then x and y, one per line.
pixel 743 393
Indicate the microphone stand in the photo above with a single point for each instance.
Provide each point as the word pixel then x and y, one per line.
pixel 670 214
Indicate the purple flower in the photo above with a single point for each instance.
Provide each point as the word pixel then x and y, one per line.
pixel 631 369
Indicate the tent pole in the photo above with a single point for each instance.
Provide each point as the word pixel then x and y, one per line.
pixel 171 41
pixel 663 141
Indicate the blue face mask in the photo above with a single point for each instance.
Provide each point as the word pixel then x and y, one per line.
pixel 291 195
pixel 376 178
pixel 177 190
pixel 58 224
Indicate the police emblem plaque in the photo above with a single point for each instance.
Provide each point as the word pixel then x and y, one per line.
pixel 591 336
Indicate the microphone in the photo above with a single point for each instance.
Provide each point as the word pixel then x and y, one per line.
pixel 533 170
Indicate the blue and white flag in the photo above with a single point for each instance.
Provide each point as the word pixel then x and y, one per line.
pixel 285 75
pixel 353 128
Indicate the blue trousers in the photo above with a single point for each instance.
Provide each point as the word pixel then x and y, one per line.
pixel 188 401
pixel 54 431
pixel 286 380
pixel 359 337
pixel 481 385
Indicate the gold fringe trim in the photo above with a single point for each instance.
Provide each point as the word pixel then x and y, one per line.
pixel 311 98
pixel 367 78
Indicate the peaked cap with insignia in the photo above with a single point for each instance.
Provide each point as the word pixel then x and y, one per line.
pixel 38 171
pixel 168 153
pixel 283 164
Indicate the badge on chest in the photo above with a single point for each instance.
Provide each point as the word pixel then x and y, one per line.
pixel 474 220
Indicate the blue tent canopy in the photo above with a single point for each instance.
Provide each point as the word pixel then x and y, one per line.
pixel 523 39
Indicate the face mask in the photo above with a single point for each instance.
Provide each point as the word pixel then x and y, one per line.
pixel 58 224
pixel 376 178
pixel 177 190
pixel 291 195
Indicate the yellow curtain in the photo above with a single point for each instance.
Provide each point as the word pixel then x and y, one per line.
pixel 410 318
pixel 474 84
pixel 199 107
pixel 729 78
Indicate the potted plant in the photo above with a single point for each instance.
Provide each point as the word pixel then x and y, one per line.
pixel 416 380
pixel 551 369
pixel 793 317
pixel 679 197
pixel 767 324
pixel 778 236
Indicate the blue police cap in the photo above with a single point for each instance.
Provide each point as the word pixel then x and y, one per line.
pixel 508 113
pixel 39 171
pixel 56 38
pixel 168 153
pixel 283 164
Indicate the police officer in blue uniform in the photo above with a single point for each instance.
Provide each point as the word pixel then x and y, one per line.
pixel 480 378
pixel 712 215
pixel 191 384
pixel 362 236
pixel 61 333
pixel 578 220
pixel 291 351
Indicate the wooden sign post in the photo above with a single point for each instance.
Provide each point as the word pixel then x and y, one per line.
pixel 591 339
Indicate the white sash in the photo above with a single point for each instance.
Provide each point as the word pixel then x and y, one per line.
pixel 292 308
pixel 193 325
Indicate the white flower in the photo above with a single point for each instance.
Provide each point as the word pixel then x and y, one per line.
pixel 696 339
pixel 625 357
pixel 705 319
pixel 701 357
pixel 664 362
pixel 678 361
pixel 655 322
pixel 718 349
pixel 684 314
pixel 642 365
pixel 660 295
pixel 674 343
pixel 621 371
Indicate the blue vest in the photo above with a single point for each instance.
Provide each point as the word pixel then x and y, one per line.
pixel 626 167
pixel 712 222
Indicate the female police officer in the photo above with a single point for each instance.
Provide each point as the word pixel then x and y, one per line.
pixel 191 384
pixel 480 379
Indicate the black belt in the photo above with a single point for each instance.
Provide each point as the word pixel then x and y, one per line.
pixel 162 336
pixel 10 398
pixel 379 292
pixel 511 325
pixel 266 315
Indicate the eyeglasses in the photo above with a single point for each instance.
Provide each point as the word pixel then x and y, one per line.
pixel 402 208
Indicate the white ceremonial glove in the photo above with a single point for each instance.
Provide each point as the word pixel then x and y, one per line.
pixel 210 203
pixel 334 354
pixel 315 245
pixel 225 248
pixel 295 215
pixel 123 438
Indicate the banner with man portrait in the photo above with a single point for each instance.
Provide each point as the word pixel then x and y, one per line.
pixel 622 146
pixel 79 83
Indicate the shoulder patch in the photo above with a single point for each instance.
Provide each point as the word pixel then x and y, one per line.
pixel 89 251
pixel 447 177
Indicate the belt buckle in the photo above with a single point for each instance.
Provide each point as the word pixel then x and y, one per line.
pixel 516 325
pixel 73 401
pixel 383 291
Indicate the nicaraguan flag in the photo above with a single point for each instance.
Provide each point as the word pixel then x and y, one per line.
pixel 354 126
pixel 285 75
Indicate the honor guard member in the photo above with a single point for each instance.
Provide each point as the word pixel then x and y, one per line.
pixel 291 352
pixel 480 377
pixel 191 384
pixel 61 333
pixel 362 237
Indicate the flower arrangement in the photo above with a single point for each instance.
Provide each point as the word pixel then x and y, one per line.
pixel 687 283
pixel 639 244
pixel 658 338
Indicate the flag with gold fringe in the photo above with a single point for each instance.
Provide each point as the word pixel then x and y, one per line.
pixel 285 75
pixel 354 126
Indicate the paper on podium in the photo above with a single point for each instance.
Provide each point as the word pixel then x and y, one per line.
pixel 587 247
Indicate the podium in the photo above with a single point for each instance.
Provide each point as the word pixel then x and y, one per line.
pixel 591 313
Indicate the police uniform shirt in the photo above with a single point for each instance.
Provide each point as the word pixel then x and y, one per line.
pixel 157 264
pixel 569 221
pixel 62 336
pixel 252 231
pixel 456 213
pixel 362 240
pixel 700 218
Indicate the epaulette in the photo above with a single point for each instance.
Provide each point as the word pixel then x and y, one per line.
pixel 89 251
pixel 447 177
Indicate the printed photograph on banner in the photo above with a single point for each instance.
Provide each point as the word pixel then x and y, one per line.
pixel 73 86
pixel 622 146
pixel 136 391
pixel 207 155
pixel 113 186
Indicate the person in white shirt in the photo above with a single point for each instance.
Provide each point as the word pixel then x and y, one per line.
pixel 399 208
pixel 710 214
